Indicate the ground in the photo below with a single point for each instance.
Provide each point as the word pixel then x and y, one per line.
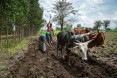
pixel 35 64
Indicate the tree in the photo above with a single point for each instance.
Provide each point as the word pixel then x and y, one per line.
pixel 25 15
pixel 79 25
pixel 68 27
pixel 98 24
pixel 62 9
pixel 35 17
pixel 106 23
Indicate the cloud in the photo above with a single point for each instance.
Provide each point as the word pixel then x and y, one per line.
pixel 100 14
pixel 89 11
pixel 94 2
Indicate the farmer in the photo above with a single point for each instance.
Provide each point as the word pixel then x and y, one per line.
pixel 50 29
pixel 44 40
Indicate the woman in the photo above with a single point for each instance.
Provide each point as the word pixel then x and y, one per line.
pixel 44 40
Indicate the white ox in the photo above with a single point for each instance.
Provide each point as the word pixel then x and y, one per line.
pixel 81 49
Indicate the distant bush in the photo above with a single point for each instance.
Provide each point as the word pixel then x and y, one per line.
pixel 108 29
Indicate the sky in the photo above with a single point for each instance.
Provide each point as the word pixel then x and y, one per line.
pixel 88 11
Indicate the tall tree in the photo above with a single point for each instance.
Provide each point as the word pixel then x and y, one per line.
pixel 98 24
pixel 25 15
pixel 79 25
pixel 35 16
pixel 68 27
pixel 62 10
pixel 106 23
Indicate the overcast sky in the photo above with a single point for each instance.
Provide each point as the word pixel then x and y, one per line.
pixel 90 10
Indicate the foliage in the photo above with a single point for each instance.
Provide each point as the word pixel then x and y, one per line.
pixel 26 15
pixel 68 27
pixel 62 10
pixel 79 25
pixel 58 28
pixel 98 24
pixel 106 23
pixel 44 31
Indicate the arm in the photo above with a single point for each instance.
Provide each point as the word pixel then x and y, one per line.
pixel 87 34
pixel 48 23
pixel 47 44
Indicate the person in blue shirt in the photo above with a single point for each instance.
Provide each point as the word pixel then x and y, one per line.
pixel 44 41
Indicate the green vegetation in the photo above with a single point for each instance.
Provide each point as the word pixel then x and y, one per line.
pixel 98 24
pixel 62 9
pixel 14 47
pixel 106 24
pixel 44 31
pixel 111 41
pixel 111 30
pixel 20 18
pixel 25 15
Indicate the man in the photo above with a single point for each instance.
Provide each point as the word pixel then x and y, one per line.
pixel 50 29
pixel 79 37
pixel 44 40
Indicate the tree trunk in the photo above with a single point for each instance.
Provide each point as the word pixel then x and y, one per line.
pixel 62 23
pixel 61 27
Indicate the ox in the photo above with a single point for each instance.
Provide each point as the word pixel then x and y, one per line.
pixel 81 31
pixel 81 48
pixel 63 40
pixel 81 37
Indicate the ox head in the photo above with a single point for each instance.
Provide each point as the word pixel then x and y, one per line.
pixel 80 49
pixel 98 40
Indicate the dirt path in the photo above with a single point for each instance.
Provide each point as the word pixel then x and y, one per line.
pixel 36 64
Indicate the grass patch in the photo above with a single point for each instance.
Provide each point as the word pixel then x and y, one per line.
pixel 111 30
pixel 44 31
pixel 14 47
pixel 19 46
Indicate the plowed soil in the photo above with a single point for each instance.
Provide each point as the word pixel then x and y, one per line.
pixel 35 64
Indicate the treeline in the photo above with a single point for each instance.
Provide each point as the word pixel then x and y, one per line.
pixel 21 18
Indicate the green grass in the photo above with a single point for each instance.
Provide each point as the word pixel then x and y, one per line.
pixel 19 46
pixel 111 41
pixel 111 30
pixel 13 46
pixel 10 43
pixel 44 31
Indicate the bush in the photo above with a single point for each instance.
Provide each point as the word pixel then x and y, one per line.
pixel 108 29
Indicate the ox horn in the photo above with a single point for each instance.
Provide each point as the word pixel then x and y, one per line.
pixel 90 40
pixel 77 41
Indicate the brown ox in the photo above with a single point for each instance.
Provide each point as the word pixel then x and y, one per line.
pixel 98 40
pixel 81 48
pixel 81 31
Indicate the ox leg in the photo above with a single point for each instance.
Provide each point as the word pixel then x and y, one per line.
pixel 62 53
pixel 68 53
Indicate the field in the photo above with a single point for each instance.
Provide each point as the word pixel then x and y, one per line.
pixel 32 63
